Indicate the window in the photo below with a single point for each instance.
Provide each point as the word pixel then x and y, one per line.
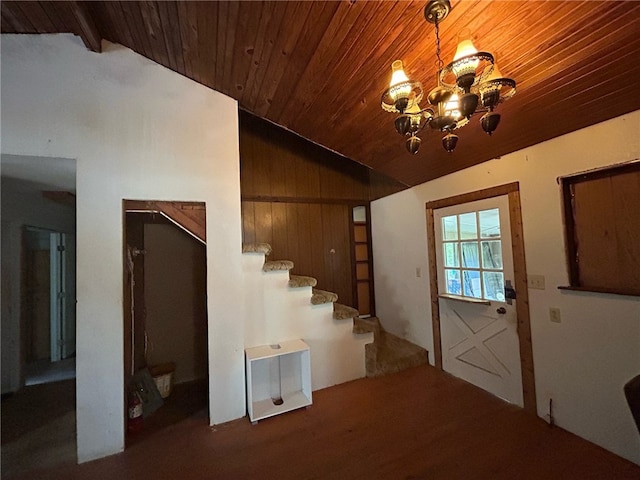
pixel 602 223
pixel 472 253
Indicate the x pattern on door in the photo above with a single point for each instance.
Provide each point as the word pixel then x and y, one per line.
pixel 474 341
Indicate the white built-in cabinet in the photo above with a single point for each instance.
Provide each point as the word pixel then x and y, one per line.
pixel 278 378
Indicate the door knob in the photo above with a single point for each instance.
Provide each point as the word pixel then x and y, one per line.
pixel 501 310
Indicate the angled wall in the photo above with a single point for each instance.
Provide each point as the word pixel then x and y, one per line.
pixel 137 131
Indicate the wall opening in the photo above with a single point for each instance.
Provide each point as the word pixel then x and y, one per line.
pixel 38 312
pixel 165 321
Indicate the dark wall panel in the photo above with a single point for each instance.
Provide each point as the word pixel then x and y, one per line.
pixel 315 237
pixel 298 197
pixel 278 163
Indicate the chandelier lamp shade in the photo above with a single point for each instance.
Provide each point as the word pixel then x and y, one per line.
pixel 470 84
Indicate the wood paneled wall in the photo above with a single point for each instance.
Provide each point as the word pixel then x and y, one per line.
pixel 299 198
pixel 277 164
pixel 315 236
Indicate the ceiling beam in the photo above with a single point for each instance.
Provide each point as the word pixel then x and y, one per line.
pixel 87 30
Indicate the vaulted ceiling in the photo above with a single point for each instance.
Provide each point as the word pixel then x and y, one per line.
pixel 319 68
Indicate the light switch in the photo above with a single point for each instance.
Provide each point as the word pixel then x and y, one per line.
pixel 536 281
pixel 418 272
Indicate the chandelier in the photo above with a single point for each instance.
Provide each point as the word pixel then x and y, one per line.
pixel 470 84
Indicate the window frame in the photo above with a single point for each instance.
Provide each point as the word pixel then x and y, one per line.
pixel 460 268
pixel 572 232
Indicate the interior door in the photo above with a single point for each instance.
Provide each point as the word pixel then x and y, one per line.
pixel 58 293
pixel 478 321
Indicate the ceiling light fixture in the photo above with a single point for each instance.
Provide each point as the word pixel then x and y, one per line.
pixel 470 84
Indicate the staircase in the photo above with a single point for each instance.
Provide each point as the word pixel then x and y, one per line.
pixel 281 306
pixel 388 353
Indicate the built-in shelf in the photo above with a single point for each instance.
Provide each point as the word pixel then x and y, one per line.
pixel 278 378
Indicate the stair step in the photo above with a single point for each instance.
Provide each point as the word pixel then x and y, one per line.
pixel 256 248
pixel 391 354
pixel 366 325
pixel 343 312
pixel 296 281
pixel 277 265
pixel 320 296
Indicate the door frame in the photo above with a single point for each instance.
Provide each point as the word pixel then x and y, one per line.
pixel 512 190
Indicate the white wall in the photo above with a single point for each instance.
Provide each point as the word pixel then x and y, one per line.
pixel 22 204
pixel 276 313
pixel 137 131
pixel 583 362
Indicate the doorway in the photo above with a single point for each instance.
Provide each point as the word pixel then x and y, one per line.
pixel 479 297
pixel 165 315
pixel 49 305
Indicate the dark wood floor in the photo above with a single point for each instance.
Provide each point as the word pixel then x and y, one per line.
pixel 417 424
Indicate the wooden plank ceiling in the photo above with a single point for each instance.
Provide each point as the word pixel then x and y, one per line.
pixel 319 68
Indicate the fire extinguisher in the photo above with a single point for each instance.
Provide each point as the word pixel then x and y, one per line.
pixel 134 422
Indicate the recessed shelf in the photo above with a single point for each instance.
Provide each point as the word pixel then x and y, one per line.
pixel 278 378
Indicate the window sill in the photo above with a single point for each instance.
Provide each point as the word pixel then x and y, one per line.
pixel 609 291
pixel 477 301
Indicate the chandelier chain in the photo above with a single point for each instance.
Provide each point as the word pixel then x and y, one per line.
pixel 439 62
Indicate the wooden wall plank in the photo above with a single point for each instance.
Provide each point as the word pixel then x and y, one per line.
pixel 188 23
pixel 321 64
pixel 170 30
pixel 53 14
pixel 153 27
pixel 110 20
pixel 263 223
pixel 253 75
pixel 134 23
pixel 249 18
pixel 328 250
pixel 626 197
pixel 37 16
pixel 285 42
pixel 292 232
pixel 256 77
pixel 277 163
pixel 209 33
pixel 593 204
pixel 280 239
pixel 248 222
pixel 602 226
pixel 316 24
pixel 317 243
pixel 229 45
pixel 15 20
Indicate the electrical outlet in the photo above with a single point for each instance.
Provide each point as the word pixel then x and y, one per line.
pixel 554 314
pixel 536 281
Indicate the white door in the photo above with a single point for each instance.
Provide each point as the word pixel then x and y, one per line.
pixel 58 286
pixel 478 323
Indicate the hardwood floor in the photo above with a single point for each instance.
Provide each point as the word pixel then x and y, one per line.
pixel 416 424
